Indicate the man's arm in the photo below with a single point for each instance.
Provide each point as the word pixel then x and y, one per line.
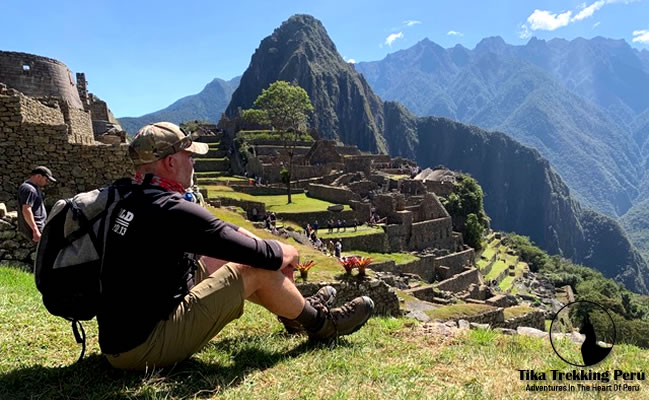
pixel 28 215
pixel 248 233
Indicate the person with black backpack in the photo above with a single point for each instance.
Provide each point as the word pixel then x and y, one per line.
pixel 154 309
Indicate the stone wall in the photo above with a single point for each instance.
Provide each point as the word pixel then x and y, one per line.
pixel 354 163
pixel 453 264
pixel 534 319
pixel 332 194
pixel 362 188
pixel 431 208
pixel 323 152
pixel 13 246
pixel 265 190
pixel 374 243
pixel 255 210
pixel 269 150
pixel 33 134
pixel 460 281
pixel 37 76
pixel 385 299
pixel 440 188
pixel 271 173
pixel 493 317
pixel 79 124
pixel 99 109
pixel 428 233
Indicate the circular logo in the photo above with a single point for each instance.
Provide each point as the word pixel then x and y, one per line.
pixel 582 333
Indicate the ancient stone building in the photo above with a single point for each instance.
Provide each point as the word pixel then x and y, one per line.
pixel 42 77
pixel 45 121
pixel 37 76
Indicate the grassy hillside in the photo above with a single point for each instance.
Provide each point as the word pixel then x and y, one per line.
pixel 391 358
pixel 388 359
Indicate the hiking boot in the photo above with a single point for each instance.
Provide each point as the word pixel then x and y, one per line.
pixel 322 300
pixel 346 319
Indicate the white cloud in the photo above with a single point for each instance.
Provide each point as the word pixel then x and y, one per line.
pixel 544 20
pixel 641 36
pixel 548 21
pixel 351 61
pixel 455 33
pixel 588 11
pixel 393 37
pixel 411 22
pixel 596 24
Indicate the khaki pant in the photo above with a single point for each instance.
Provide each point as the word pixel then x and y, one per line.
pixel 209 306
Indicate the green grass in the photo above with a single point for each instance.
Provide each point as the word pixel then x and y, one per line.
pixel 517 311
pixel 488 253
pixel 506 283
pixel 277 203
pixel 498 267
pixel 481 263
pixel 454 311
pixel 390 358
pixel 398 258
pixel 199 160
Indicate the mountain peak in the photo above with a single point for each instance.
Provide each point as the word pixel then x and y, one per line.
pixel 493 44
pixel 301 51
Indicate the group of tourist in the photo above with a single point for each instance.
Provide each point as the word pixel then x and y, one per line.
pixel 341 224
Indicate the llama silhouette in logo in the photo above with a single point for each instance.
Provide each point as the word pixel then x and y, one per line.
pixel 591 352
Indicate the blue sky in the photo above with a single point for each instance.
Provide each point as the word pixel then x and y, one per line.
pixel 140 56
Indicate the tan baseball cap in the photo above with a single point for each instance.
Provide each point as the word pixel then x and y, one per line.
pixel 157 141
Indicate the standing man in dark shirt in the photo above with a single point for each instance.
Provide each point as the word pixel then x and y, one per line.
pixel 154 310
pixel 31 210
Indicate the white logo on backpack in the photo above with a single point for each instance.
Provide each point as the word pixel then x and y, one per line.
pixel 123 220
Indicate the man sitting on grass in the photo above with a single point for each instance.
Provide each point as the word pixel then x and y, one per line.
pixel 158 306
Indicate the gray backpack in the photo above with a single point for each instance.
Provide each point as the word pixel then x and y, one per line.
pixel 70 254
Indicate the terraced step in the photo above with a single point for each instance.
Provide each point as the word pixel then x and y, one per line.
pixel 213 153
pixel 211 174
pixel 211 164
pixel 209 139
pixel 223 180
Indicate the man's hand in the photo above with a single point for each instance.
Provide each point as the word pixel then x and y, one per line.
pixel 290 260
pixel 36 236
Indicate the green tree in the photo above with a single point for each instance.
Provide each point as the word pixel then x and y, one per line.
pixel 255 116
pixel 287 109
pixel 474 231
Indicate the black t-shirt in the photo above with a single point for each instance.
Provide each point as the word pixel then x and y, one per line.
pixel 145 274
pixel 29 194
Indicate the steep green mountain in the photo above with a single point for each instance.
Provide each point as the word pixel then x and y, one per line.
pixel 301 51
pixel 209 104
pixel 636 223
pixel 523 194
pixel 572 101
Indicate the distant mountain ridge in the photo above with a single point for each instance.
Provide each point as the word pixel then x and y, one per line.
pixel 523 193
pixel 575 102
pixel 208 105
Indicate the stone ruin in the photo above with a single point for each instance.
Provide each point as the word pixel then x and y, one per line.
pixel 46 119
pixel 414 221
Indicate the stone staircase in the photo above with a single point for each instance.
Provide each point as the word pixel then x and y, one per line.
pixel 213 165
